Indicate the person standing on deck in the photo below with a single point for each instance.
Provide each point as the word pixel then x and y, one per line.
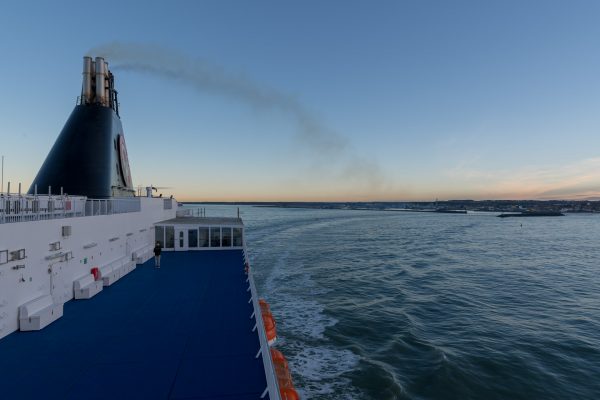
pixel 157 250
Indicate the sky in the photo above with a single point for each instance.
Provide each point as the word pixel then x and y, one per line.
pixel 320 100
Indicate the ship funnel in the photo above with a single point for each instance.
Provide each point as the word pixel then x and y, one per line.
pixel 83 158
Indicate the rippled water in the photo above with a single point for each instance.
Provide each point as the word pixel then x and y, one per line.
pixel 384 305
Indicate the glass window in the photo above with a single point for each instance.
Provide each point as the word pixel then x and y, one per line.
pixel 203 236
pixel 159 235
pixel 215 236
pixel 170 237
pixel 226 237
pixel 181 239
pixel 237 237
pixel 192 237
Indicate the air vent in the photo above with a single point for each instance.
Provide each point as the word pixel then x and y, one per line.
pixel 55 256
pixel 66 230
pixel 55 246
pixel 17 255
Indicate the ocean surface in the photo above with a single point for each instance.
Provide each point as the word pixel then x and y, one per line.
pixel 396 305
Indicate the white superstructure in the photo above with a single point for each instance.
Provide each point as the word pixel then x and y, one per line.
pixel 49 246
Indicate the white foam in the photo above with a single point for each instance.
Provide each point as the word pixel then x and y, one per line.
pixel 323 363
pixel 293 294
pixel 319 371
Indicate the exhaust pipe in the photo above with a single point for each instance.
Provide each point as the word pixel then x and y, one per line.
pixel 106 85
pixel 100 80
pixel 86 93
pixel 98 84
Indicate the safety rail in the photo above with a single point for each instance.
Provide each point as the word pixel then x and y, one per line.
pixel 24 208
pixel 112 206
pixel 272 383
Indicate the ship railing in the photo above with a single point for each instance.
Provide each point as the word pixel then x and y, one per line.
pixel 95 207
pixel 24 208
pixel 265 350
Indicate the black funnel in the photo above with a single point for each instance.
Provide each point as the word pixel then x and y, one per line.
pixel 89 158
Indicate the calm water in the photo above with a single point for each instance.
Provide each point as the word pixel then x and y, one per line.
pixel 383 305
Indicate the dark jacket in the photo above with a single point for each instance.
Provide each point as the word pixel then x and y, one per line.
pixel 157 250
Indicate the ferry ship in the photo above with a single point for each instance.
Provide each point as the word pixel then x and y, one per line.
pixel 84 311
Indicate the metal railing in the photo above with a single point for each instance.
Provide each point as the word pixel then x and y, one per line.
pixel 24 208
pixel 95 207
pixel 272 383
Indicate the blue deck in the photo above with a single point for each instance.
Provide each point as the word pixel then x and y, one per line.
pixel 179 332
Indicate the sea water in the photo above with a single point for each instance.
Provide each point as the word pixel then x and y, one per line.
pixel 398 305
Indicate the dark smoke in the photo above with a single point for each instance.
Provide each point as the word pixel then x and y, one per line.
pixel 206 77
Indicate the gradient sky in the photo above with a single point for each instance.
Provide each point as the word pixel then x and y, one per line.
pixel 415 100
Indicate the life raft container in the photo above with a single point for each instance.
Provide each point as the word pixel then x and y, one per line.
pixel 269 322
pixel 284 378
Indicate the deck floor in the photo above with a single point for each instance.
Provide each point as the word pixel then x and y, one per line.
pixel 179 332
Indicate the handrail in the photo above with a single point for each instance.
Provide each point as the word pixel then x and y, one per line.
pixel 265 349
pixel 24 207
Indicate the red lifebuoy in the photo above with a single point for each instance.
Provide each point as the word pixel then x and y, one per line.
pixel 94 271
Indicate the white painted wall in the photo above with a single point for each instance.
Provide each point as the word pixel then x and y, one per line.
pixel 42 276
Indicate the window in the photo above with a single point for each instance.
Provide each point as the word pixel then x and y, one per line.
pixel 192 237
pixel 203 236
pixel 159 235
pixel 181 239
pixel 170 237
pixel 215 236
pixel 237 237
pixel 226 237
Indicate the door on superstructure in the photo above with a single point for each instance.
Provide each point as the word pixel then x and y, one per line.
pixel 192 238
pixel 181 240
pixel 59 288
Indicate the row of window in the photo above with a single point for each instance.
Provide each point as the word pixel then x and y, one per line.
pixel 214 236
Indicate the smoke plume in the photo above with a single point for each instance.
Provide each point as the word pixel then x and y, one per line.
pixel 322 142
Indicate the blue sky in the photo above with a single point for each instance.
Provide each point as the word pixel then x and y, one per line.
pixel 422 99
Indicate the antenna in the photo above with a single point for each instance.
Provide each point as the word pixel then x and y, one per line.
pixel 2 187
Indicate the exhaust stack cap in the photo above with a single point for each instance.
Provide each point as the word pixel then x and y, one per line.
pixel 98 85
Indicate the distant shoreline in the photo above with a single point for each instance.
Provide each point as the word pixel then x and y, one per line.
pixel 446 207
